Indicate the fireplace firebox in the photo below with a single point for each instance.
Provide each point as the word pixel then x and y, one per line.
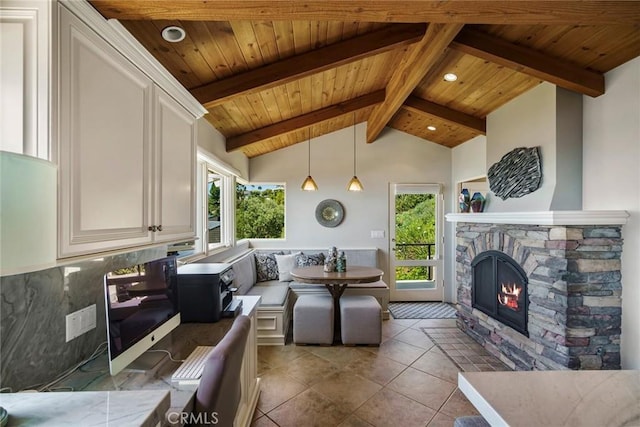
pixel 499 289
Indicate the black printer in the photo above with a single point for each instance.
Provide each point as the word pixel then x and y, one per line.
pixel 204 291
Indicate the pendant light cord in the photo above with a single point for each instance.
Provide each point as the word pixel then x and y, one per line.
pixel 354 144
pixel 309 146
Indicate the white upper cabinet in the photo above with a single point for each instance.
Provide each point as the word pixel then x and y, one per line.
pixel 175 165
pixel 24 77
pixel 104 144
pixel 126 150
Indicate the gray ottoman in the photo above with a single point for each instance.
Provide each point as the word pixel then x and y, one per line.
pixel 360 320
pixel 313 320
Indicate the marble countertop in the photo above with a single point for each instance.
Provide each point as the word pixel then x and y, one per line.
pixel 95 376
pixel 87 408
pixel 555 398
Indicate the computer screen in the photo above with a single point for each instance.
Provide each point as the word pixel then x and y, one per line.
pixel 141 308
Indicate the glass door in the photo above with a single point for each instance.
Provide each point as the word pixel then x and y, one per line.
pixel 416 242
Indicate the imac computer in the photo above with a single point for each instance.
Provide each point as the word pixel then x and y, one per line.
pixel 141 308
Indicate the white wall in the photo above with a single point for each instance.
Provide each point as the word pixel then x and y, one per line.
pixel 468 162
pixel 611 180
pixel 527 121
pixel 214 142
pixel 549 118
pixel 568 150
pixel 395 157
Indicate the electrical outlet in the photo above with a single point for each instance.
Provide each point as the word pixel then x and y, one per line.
pixel 80 322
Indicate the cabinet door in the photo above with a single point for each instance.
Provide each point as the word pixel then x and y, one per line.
pixel 175 170
pixel 24 77
pixel 105 136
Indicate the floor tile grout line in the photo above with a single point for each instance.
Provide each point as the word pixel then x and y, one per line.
pixel 441 406
pixel 441 349
pixel 342 368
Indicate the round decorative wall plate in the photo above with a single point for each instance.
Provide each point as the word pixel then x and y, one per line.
pixel 329 213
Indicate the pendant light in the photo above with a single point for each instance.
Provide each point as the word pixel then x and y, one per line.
pixel 354 184
pixel 309 184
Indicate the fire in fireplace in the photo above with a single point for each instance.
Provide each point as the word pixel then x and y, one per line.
pixel 509 295
pixel 499 289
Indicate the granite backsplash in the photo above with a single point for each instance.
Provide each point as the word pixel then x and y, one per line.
pixel 33 307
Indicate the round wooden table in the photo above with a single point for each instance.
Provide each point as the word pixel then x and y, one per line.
pixel 336 283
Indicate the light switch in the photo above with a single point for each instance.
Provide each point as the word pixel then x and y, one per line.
pixel 377 234
pixel 80 322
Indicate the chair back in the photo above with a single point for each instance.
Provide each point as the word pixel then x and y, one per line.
pixel 219 391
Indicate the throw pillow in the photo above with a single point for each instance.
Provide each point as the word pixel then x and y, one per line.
pixel 266 266
pixel 285 264
pixel 304 260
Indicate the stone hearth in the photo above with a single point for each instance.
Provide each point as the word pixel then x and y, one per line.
pixel 574 291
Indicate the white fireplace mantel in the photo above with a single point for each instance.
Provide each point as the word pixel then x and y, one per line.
pixel 543 217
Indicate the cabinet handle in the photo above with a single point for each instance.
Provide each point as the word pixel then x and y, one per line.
pixel 159 228
pixel 152 228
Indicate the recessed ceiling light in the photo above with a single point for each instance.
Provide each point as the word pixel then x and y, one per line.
pixel 431 128
pixel 450 77
pixel 173 34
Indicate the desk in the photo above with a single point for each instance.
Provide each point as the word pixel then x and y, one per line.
pixel 336 282
pixel 181 342
pixel 555 398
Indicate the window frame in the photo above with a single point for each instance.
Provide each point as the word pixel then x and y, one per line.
pixel 208 162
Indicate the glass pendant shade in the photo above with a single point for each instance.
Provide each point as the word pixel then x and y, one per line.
pixel 309 184
pixel 354 184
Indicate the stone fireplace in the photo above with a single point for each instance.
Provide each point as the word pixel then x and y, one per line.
pixel 542 290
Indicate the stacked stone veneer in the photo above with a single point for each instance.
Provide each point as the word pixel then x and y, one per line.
pixel 574 294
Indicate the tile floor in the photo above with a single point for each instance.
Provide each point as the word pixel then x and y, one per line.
pixel 410 380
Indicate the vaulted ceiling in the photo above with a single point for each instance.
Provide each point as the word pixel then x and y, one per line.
pixel 274 73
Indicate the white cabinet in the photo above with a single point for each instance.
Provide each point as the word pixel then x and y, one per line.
pixel 126 150
pixel 249 373
pixel 175 163
pixel 24 77
pixel 104 144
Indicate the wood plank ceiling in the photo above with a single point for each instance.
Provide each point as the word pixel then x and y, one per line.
pixel 272 73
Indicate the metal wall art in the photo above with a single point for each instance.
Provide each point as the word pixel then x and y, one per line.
pixel 329 213
pixel 518 173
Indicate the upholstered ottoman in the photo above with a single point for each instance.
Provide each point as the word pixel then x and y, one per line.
pixel 360 319
pixel 313 320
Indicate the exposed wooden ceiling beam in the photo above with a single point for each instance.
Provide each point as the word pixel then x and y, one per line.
pixel 417 62
pixel 436 11
pixel 301 122
pixel 296 67
pixel 529 61
pixel 421 106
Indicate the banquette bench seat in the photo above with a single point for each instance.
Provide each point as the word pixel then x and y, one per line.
pixel 279 292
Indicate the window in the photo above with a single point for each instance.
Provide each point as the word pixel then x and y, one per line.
pixel 228 211
pixel 260 211
pixel 214 206
pixel 216 217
